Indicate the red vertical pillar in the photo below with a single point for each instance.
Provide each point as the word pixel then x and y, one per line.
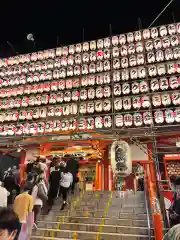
pixel 22 167
pixel 106 169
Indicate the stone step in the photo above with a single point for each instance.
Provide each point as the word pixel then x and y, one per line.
pixel 43 233
pixel 93 227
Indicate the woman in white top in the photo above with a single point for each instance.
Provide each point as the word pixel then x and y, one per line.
pixel 65 183
pixel 3 195
pixel 39 194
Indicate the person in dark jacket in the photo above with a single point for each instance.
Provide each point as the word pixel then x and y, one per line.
pixel 73 167
pixel 54 185
pixel 11 186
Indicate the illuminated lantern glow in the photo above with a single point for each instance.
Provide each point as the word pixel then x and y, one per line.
pixel 98 106
pixel 36 113
pixel 66 110
pixel 85 46
pixel 163 31
pixel 137 36
pixel 177 114
pixel 100 44
pixel 115 40
pixel 124 51
pixel 107 53
pixel 158 116
pixel 174 41
pixel 156 100
pixel 83 108
pixel 106 105
pixel 136 102
pixel 41 127
pixel 75 95
pixel 161 69
pixel 166 42
pixel 92 68
pixel 78 48
pixel 85 69
pixel 29 114
pixel 90 107
pixel 124 63
pixel 67 96
pixel 125 74
pixel 128 120
pixel 78 59
pixel 154 84
pixel 99 92
pixel 107 42
pixel 146 34
pixel 51 111
pixel 83 94
pixel 133 73
pixel 60 97
pixel 119 120
pixel 159 56
pixel 127 103
pixel 58 111
pixel 42 112
pixel 85 57
pixel 115 52
pixel 91 93
pixel 107 91
pixel 157 43
pixel 71 49
pixel 145 101
pixel 132 61
pixel 99 66
pixel 118 104
pixel 116 76
pixel 98 122
pixel 154 32
pixel 172 29
pixel 65 51
pixel 93 45
pixel 174 82
pixel 169 116
pixel 166 99
pixel 117 89
pixel 107 121
pixel 92 56
pixel 140 59
pixel 130 37
pixel 176 53
pixel 138 120
pixel 152 71
pixel 168 54
pixel 90 123
pixel 91 80
pixel 175 98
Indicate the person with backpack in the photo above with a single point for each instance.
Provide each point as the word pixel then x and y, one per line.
pixel 39 194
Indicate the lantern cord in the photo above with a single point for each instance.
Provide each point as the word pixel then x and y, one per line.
pixel 160 13
pixel 11 47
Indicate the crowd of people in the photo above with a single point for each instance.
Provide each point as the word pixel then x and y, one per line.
pixel 43 185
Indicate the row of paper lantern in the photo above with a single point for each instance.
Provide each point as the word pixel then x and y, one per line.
pixel 56 125
pixel 130 37
pixel 126 103
pixel 125 74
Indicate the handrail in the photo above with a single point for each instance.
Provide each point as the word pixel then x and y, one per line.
pixel 147 211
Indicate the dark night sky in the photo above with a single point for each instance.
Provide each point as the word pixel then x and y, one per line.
pixel 66 19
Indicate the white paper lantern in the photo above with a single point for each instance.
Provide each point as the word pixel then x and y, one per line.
pixel 92 67
pixel 107 53
pixel 100 44
pixel 107 65
pixel 51 111
pixel 146 34
pixel 166 99
pixel 107 91
pixel 177 114
pixel 41 127
pixel 175 98
pixel 169 116
pixel 115 40
pixel 99 66
pixel 93 45
pixel 124 51
pixel 152 71
pixel 67 96
pixel 92 56
pixel 140 59
pixel 166 42
pixel 116 76
pixel 158 116
pixel 128 120
pixel 45 98
pixel 42 112
pixel 54 86
pixel 159 56
pixel 34 56
pixel 163 31
pixel 149 45
pixel 99 106
pixel 154 32
pixel 174 41
pixel 60 97
pixel 83 94
pixel 147 118
pixel 176 53
pixel 125 74
pixel 168 54
pixel 156 100
pixel 85 57
pixel 174 82
pixel 127 103
pixel 106 105
pixel 161 69
pixel 90 107
pixel 90 123
pixel 171 68
pixel 66 110
pixel 20 129
pixel 58 111
pixel 36 113
pixel 56 74
pixel 158 43
pixel 99 92
pixel 98 122
pixel 137 36
pixel 107 121
pixel 78 59
pixel 107 42
pixel 85 46
pixel 141 72
pixel 47 87
pixel 73 108
pixel 115 52
pixel 75 95
pixel 52 98
pixel 71 49
pixel 62 73
pixel 130 37
pixel 119 120
pixel 83 108
pixel 124 63
pixel 117 89
pixel 99 79
pixel 136 102
pixel 91 93
pixel 107 78
pixel 145 101
pixel 76 83
pixel 118 104
pixel 133 73
pixel 172 29
pixel 126 88
pixel 78 48
pixel 15 116
pixel 49 126
pixel 138 120
pixel 154 84
pixel 132 61
pixel 85 69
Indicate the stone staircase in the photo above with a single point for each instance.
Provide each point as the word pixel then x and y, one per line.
pixel 97 216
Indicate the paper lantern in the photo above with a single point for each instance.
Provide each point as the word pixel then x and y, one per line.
pixel 152 71
pixel 65 51
pixel 33 128
pixel 76 83
pixel 42 112
pixel 93 45
pixel 51 111
pixel 90 107
pixel 124 51
pixel 138 120
pixel 11 103
pixel 62 73
pixel 75 95
pixel 99 66
pixel 171 68
pixel 175 98
pixel 85 57
pixel 84 81
pixel 107 53
pixel 116 63
pixel 45 99
pixel 169 116
pixel 124 63
pixel 172 29
pixel 98 122
pixel 147 118
pixel 15 116
pixel 85 46
pixel 83 94
pixel 158 116
pixel 72 124
pixel 174 41
pixel 58 111
pixel 82 125
pixel 57 64
pixel 20 129
pixel 154 33
pixel 115 52
pixel 177 114
pixel 131 48
pixel 119 120
pixel 107 121
pixel 66 110
pixel 107 42
pixel 176 53
pixel 34 57
pixel 41 127
pixel 116 76
pixel 106 105
pixel 137 36
pixel 48 74
pixel 100 55
pixel 117 89
pixel 174 82
pixel 107 91
pixel 157 43
pixel 25 101
pixel 67 96
pixel 78 59
pixel 132 61
pixel 143 86
pixel 71 49
pixel 163 31
pixel 127 103
pixel 83 108
pixel 100 44
pixel 136 102
pixel 161 69
pixel 18 102
pixel 128 120
pixel 60 97
pixel 49 126
pixel 98 106
pixel 156 100
pixel 159 56
pixel 78 48
pixel 90 123
pixel 92 67
pixel 149 45
pixel 154 84
pixel 99 92
pixel 29 114
pixel 166 99
pixel 91 93
pixel 166 42
pixel 168 54
pixel 140 59
pixel 92 56
pixel 146 34
pixel 141 72
pixel 115 40
pixel 145 101
pixel 85 69
pixel 125 74
pixel 118 104
pixel 107 65
pixel 36 113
